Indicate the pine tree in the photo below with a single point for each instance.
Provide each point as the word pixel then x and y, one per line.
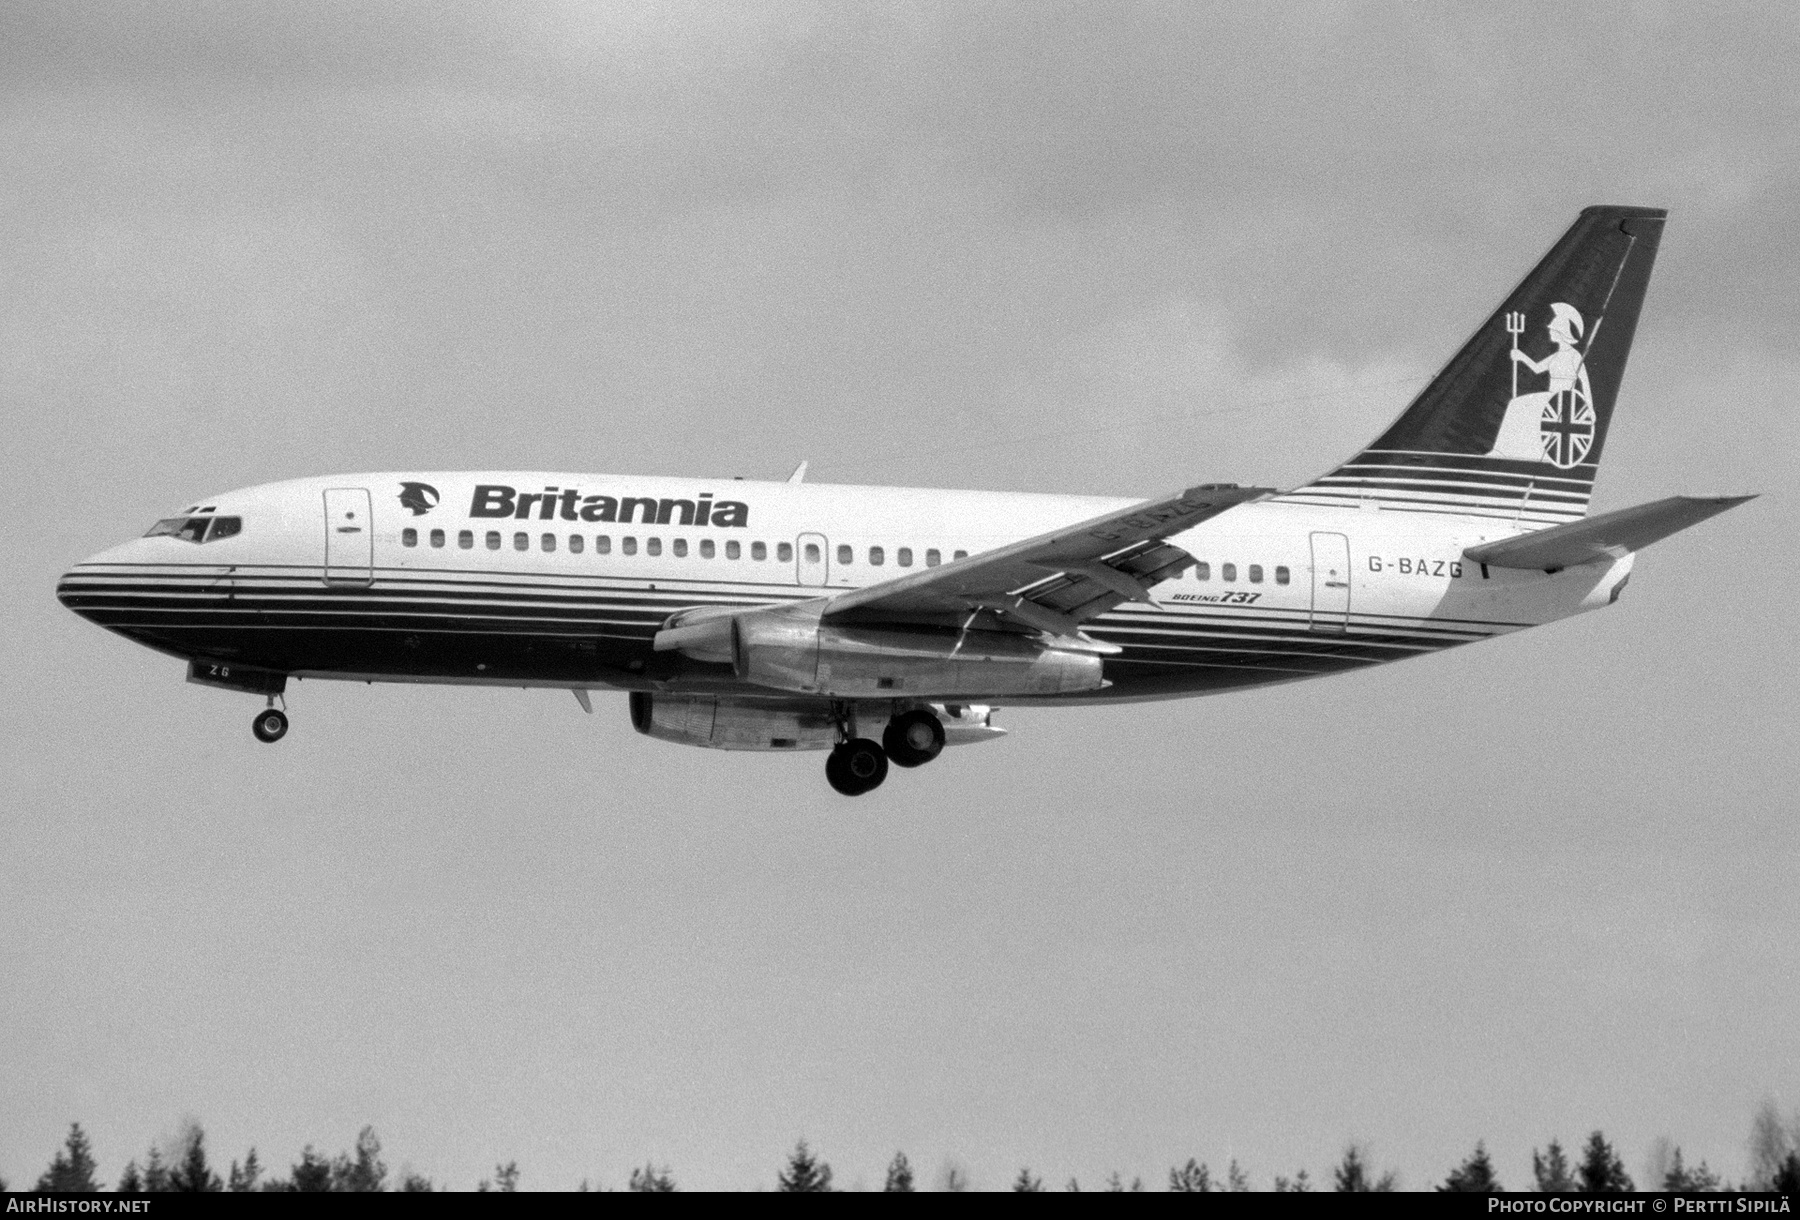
pixel 419 1184
pixel 1681 1178
pixel 193 1175
pixel 313 1174
pixel 899 1176
pixel 1025 1184
pixel 1299 1184
pixel 72 1169
pixel 506 1178
pixel 1237 1181
pixel 366 1173
pixel 156 1174
pixel 1192 1178
pixel 1601 1171
pixel 1352 1175
pixel 1551 1170
pixel 1473 1176
pixel 1787 1176
pixel 805 1173
pixel 244 1178
pixel 1771 1143
pixel 651 1181
pixel 131 1182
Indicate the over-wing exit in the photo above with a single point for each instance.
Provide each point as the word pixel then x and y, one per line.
pixel 882 624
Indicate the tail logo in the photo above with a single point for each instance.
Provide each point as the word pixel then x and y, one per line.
pixel 1555 424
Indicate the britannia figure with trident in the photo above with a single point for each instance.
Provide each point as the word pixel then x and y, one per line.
pixel 1556 424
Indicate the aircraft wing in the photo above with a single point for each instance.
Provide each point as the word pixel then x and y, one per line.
pixel 1609 535
pixel 1055 581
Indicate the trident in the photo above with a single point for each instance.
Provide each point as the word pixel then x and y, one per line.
pixel 1515 326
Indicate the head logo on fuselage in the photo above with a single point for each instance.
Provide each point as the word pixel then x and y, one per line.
pixel 421 498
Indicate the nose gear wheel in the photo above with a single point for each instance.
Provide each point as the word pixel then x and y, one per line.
pixel 270 725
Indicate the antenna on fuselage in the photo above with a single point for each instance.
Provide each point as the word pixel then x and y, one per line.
pixel 799 475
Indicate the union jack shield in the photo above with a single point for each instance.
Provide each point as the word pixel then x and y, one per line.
pixel 1567 428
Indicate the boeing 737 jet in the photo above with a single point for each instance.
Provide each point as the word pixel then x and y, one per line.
pixel 882 624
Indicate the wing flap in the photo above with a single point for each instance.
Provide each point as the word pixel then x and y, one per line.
pixel 1070 574
pixel 1606 536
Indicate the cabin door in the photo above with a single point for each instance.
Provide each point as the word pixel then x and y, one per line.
pixel 812 560
pixel 349 537
pixel 1330 582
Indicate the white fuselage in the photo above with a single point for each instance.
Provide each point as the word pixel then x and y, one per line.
pixel 453 583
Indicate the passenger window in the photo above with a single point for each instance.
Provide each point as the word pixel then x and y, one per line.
pixel 759 550
pixel 1203 571
pixel 437 538
pixel 653 546
pixel 549 542
pixel 521 542
pixel 733 550
pixel 1256 573
pixel 602 544
pixel 409 537
pixel 812 552
pixel 1228 571
pixel 844 554
pixel 706 548
pixel 681 548
pixel 960 555
pixel 224 527
pixel 465 539
pixel 877 556
pixel 932 558
pixel 493 540
pixel 903 556
pixel 1281 575
pixel 784 551
pixel 575 544
pixel 628 545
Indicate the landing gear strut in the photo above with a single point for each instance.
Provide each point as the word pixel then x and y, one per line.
pixel 857 766
pixel 913 738
pixel 270 725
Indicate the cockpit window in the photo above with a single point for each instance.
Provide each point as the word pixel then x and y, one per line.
pixel 196 529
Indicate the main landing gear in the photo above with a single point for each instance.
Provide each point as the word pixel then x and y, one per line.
pixel 913 738
pixel 858 765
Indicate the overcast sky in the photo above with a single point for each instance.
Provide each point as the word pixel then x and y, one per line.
pixel 1508 893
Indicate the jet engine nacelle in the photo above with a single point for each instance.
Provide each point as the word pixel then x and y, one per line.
pixel 756 724
pixel 732 724
pixel 791 649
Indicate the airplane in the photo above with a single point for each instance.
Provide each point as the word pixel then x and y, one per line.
pixel 883 624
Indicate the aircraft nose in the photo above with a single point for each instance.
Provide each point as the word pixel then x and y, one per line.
pixel 80 588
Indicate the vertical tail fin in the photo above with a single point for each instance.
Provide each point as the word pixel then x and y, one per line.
pixel 1513 427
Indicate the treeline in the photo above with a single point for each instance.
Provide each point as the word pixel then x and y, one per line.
pixel 186 1166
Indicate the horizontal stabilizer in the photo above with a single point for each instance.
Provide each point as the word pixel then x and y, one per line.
pixel 1607 536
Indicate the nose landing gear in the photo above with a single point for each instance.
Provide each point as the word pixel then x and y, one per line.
pixel 271 724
